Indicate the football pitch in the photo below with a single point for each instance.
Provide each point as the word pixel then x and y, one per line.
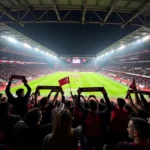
pixel 78 79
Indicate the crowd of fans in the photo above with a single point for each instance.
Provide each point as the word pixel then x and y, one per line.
pixel 30 71
pixel 126 77
pixel 137 56
pixel 10 55
pixel 135 68
pixel 27 122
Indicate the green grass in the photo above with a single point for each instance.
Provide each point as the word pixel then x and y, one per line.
pixel 84 79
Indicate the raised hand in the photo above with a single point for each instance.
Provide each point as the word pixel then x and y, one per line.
pixel 104 91
pixel 79 92
pixel 10 79
pixel 24 81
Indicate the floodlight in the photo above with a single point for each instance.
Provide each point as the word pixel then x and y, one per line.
pixel 10 39
pixel 112 51
pixel 36 49
pixel 136 37
pixel 146 38
pixel 26 45
pixel 138 40
pixel 121 47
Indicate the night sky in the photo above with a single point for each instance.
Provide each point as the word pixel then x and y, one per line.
pixel 74 38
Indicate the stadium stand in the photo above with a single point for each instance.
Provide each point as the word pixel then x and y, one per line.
pixel 30 71
pixel 30 121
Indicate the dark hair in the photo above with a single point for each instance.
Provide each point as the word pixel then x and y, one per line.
pixel 19 92
pixel 121 102
pixel 128 108
pixel 32 117
pixel 93 105
pixel 4 109
pixel 62 124
pixel 86 105
pixel 102 100
pixel 43 101
pixel 68 104
pixel 142 127
pixel 101 106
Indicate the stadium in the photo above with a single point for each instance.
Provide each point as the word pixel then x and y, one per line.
pixel 78 59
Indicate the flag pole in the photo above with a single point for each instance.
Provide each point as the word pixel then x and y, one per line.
pixel 70 87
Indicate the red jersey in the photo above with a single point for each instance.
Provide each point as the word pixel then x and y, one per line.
pixel 93 125
pixel 119 119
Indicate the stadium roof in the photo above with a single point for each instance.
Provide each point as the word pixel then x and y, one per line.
pixel 119 12
pixel 9 32
pixel 127 40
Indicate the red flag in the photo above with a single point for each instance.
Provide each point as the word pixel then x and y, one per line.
pixel 64 81
pixel 133 84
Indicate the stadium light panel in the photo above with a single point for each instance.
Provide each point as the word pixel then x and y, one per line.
pixel 112 51
pixel 26 45
pixel 121 47
pixel 136 37
pixel 146 38
pixel 36 49
pixel 139 41
pixel 10 39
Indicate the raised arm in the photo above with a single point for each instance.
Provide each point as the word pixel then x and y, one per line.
pixel 28 88
pixel 137 99
pixel 144 101
pixel 134 108
pixel 7 91
pixel 72 95
pixel 36 97
pixel 138 102
pixel 108 105
pixel 63 97
pixel 49 95
pixel 78 102
pixel 55 98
